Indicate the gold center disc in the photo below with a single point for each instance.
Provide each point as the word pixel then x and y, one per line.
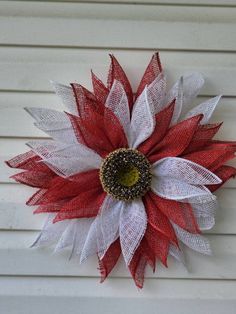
pixel 125 174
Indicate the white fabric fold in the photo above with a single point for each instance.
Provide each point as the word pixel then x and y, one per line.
pixel 184 170
pixel 206 108
pixel 178 102
pixel 174 189
pixel 66 95
pixel 133 223
pixel 54 123
pixel 195 242
pixel 104 230
pixel 156 92
pixel 206 209
pixel 66 160
pixel 205 222
pixel 142 120
pixel 51 232
pixel 117 102
pixel 81 229
pixel 184 91
pixel 177 254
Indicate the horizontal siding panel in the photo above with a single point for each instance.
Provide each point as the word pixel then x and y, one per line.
pixel 27 295
pixel 163 2
pixel 15 215
pixel 30 69
pixel 16 254
pixel 152 2
pixel 116 11
pixel 87 25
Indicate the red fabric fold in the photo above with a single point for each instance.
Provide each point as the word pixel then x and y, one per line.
pixel 158 220
pixel 104 135
pixel 213 156
pixel 152 71
pixel 61 188
pixel 158 243
pixel 202 137
pixel 99 89
pixel 224 173
pixel 176 140
pixel 36 179
pixel 29 161
pixel 85 205
pixel 178 212
pixel 50 208
pixel 108 262
pixel 143 255
pixel 117 73
pixel 163 119
pixel 85 100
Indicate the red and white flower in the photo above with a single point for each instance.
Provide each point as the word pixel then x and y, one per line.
pixel 127 175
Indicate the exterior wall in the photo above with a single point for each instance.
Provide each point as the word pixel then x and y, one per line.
pixel 61 41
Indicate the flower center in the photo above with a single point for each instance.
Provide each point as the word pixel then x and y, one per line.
pixel 125 174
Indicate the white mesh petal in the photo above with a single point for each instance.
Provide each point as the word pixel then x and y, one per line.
pixel 205 222
pixel 156 92
pixel 66 95
pixel 206 209
pixel 206 108
pixel 54 123
pixel 51 232
pixel 82 227
pixel 66 160
pixel 195 242
pixel 178 102
pixel 117 102
pixel 184 170
pixel 190 85
pixel 142 120
pixel 177 253
pixel 133 223
pixel 174 189
pixel 67 236
pixel 104 230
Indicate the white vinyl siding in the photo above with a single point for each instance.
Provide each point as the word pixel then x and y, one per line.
pixel 62 41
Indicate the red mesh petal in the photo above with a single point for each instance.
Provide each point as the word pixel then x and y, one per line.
pixel 93 133
pixel 142 256
pixel 85 205
pixel 34 178
pixel 103 134
pixel 214 156
pixel 117 73
pixel 49 208
pixel 180 213
pixel 99 89
pixel 114 130
pixel 163 119
pixel 158 243
pixel 176 140
pixel 107 263
pixel 61 188
pixel 28 161
pixel 225 173
pixel 158 220
pixel 202 136
pixel 152 71
pixel 86 100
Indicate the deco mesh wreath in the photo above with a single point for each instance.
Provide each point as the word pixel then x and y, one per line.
pixel 125 175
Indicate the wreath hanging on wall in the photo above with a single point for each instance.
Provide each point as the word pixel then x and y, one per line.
pixel 127 175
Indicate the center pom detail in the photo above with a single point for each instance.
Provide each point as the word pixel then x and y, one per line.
pixel 126 174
